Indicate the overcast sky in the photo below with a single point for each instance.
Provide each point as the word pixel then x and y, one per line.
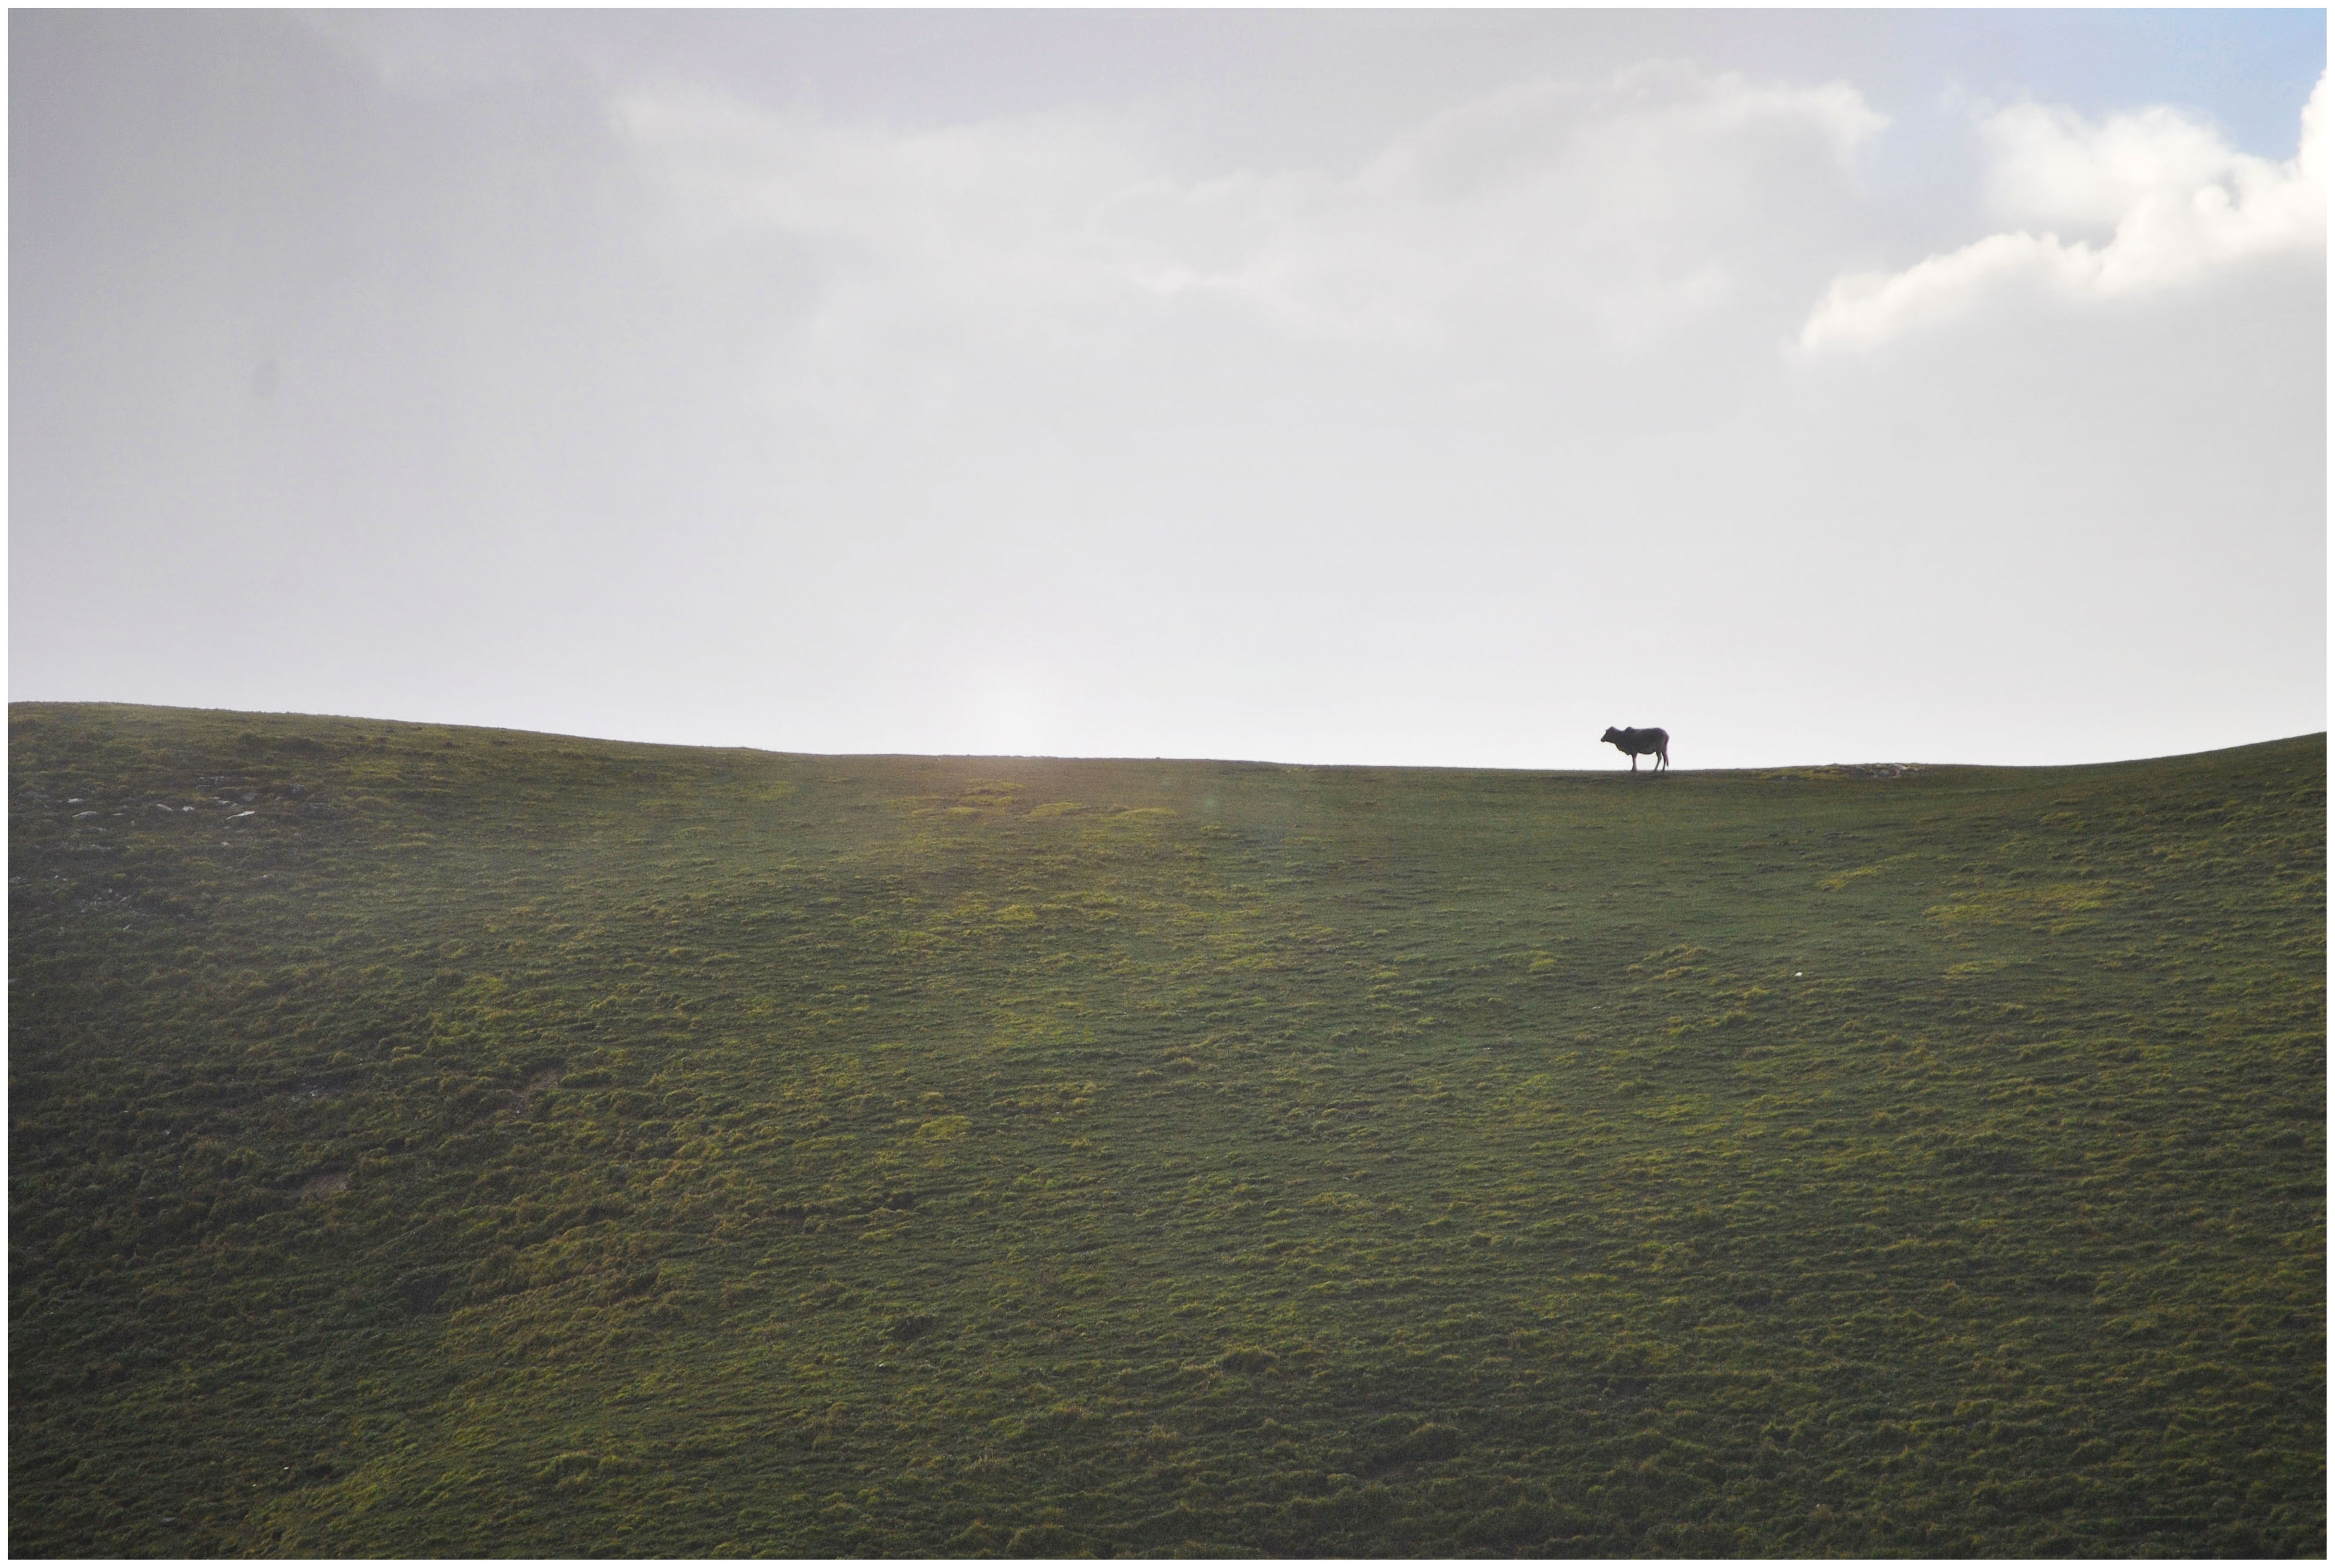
pixel 1411 387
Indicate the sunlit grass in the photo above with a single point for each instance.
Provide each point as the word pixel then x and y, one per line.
pixel 440 1141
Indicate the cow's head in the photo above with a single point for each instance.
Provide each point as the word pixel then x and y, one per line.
pixel 1610 734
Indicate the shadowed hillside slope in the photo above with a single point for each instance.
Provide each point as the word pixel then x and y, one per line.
pixel 431 1142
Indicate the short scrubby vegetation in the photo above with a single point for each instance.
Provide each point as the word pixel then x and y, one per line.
pixel 437 1141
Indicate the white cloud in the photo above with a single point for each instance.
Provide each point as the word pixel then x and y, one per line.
pixel 1618 208
pixel 2181 201
pixel 1609 212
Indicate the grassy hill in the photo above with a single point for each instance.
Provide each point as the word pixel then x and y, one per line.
pixel 428 1140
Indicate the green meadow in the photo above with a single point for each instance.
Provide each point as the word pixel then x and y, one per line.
pixel 442 1141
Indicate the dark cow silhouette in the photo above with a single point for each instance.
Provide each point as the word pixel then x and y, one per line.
pixel 1636 743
